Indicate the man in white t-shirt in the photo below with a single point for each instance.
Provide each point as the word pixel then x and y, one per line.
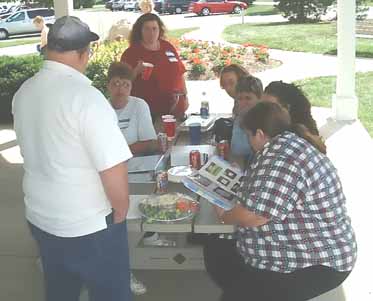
pixel 75 181
pixel 133 113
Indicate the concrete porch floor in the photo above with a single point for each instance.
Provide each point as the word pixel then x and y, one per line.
pixel 349 146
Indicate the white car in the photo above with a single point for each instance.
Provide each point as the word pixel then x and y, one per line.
pixel 118 5
pixel 131 5
pixel 20 22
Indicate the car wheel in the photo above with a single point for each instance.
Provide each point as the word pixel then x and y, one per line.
pixel 3 34
pixel 178 10
pixel 237 10
pixel 205 11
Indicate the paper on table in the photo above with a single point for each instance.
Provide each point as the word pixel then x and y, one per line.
pixel 133 210
pixel 143 163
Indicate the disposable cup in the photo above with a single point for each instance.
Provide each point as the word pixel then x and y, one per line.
pixel 170 127
pixel 168 117
pixel 148 68
pixel 195 133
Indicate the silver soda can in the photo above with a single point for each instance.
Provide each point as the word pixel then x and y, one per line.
pixel 162 181
pixel 163 143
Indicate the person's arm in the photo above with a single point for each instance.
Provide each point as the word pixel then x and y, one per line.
pixel 43 37
pixel 180 96
pixel 115 182
pixel 144 147
pixel 241 216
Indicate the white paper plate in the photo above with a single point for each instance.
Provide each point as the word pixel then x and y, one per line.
pixel 175 174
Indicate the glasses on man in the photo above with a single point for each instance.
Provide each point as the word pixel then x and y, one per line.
pixel 121 83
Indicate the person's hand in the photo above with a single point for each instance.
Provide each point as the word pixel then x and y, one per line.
pixel 139 68
pixel 176 98
pixel 118 217
pixel 219 212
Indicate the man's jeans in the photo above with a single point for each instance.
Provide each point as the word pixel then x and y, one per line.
pixel 99 261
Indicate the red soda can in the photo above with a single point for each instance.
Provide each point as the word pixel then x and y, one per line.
pixel 163 143
pixel 223 149
pixel 195 159
pixel 162 181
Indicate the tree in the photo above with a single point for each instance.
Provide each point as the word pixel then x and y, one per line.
pixel 301 11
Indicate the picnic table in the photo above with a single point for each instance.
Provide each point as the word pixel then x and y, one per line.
pixel 183 254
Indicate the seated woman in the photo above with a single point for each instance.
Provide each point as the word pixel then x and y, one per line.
pixel 294 237
pixel 229 77
pixel 133 113
pixel 292 99
pixel 248 92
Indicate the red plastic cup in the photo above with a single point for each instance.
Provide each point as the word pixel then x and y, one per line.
pixel 170 127
pixel 148 68
pixel 164 117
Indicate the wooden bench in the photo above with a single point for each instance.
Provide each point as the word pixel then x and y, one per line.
pixel 364 28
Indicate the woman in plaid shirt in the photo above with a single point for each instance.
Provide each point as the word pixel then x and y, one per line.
pixel 294 238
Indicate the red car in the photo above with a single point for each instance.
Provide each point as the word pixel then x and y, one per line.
pixel 206 7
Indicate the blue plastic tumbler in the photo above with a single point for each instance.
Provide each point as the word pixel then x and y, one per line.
pixel 195 133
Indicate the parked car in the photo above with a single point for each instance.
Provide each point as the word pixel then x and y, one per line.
pixel 176 6
pixel 12 9
pixel 207 7
pixel 131 5
pixel 109 4
pixel 118 5
pixel 21 22
pixel 158 6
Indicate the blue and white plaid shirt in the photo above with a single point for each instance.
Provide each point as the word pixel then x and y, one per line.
pixel 298 189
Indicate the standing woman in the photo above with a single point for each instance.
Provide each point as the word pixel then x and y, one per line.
pixel 165 90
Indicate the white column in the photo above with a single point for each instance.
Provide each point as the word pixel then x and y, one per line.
pixel 63 7
pixel 345 102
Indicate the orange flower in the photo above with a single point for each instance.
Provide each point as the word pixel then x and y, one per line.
pixel 248 44
pixel 228 62
pixel 196 50
pixel 196 61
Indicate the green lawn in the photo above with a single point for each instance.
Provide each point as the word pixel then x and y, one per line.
pixel 261 10
pixel 316 38
pixel 320 91
pixel 177 33
pixel 17 42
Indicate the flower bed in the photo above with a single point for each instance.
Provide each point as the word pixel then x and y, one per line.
pixel 204 60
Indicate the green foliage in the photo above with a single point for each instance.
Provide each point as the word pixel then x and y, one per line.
pixel 84 3
pixel 301 11
pixel 14 71
pixel 103 55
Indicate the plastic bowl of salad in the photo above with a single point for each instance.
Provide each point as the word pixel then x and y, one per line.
pixel 170 207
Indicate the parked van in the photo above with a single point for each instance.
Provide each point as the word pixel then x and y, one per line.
pixel 21 22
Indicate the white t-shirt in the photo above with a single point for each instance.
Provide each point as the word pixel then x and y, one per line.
pixel 135 121
pixel 67 133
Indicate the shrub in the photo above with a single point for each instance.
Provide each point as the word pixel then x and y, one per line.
pixel 84 3
pixel 303 10
pixel 103 55
pixel 13 72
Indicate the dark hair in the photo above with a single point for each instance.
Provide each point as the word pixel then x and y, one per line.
pixel 236 69
pixel 136 32
pixel 273 120
pixel 250 84
pixel 121 70
pixel 293 99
